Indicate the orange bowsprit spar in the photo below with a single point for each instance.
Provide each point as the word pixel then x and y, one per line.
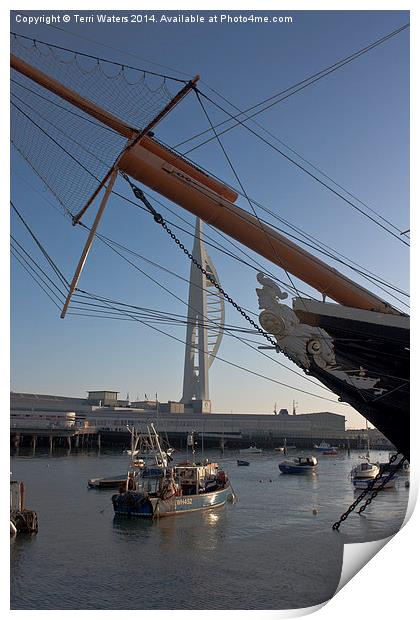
pixel 164 171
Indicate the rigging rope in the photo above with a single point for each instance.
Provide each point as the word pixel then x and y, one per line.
pixel 159 220
pixel 70 169
pixel 96 58
pixel 105 165
pixel 308 172
pixel 302 84
pixel 104 300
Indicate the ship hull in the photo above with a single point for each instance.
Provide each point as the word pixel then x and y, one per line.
pixel 135 505
pixel 368 346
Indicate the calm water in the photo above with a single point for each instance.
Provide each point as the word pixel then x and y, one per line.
pixel 266 551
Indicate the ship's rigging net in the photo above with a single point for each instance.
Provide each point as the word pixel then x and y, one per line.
pixel 69 150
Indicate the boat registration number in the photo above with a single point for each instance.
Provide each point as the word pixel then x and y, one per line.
pixel 184 501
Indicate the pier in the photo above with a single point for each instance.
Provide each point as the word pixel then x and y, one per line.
pixel 78 423
pixel 54 437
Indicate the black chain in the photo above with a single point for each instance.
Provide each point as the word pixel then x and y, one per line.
pixel 383 483
pixel 159 220
pixel 336 525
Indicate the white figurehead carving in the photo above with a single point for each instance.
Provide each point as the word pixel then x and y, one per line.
pixel 300 342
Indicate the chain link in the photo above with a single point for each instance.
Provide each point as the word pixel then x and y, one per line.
pixel 336 525
pixel 383 483
pixel 159 220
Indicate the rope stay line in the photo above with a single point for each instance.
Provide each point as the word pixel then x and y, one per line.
pixel 308 172
pixel 257 268
pixel 132 98
pixel 159 220
pixel 228 330
pixel 76 53
pixel 303 84
pixel 58 144
pixel 147 324
pixel 197 92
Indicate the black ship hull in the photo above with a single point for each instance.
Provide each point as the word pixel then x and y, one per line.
pixel 368 346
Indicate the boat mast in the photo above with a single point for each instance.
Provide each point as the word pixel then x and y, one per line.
pixel 156 444
pixel 367 441
pixel 173 177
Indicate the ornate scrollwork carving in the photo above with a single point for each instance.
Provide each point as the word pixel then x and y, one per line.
pixel 300 342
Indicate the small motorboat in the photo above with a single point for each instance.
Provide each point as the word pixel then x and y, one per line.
pixel 325 448
pixel 363 483
pixel 112 482
pixel 330 452
pixel 279 449
pixel 364 471
pixel 242 463
pixel 251 450
pixel 299 465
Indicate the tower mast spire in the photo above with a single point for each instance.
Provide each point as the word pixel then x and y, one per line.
pixel 205 323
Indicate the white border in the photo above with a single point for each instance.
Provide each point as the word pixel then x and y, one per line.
pixel 386 586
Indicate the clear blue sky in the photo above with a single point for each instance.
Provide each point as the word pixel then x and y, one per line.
pixel 354 124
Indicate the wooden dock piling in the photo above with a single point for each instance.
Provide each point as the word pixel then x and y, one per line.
pixel 22 520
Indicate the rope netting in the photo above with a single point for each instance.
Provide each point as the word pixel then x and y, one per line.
pixel 67 148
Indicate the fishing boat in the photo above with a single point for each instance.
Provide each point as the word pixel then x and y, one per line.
pixel 299 465
pixel 251 450
pixel 334 339
pixel 242 463
pixel 162 490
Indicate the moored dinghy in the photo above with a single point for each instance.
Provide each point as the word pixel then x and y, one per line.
pixel 364 471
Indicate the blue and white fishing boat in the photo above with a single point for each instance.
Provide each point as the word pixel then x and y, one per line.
pixel 162 490
pixel 299 465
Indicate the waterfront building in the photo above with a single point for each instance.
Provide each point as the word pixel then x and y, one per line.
pixel 177 420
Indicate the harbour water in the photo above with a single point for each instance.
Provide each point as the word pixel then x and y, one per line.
pixel 272 549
